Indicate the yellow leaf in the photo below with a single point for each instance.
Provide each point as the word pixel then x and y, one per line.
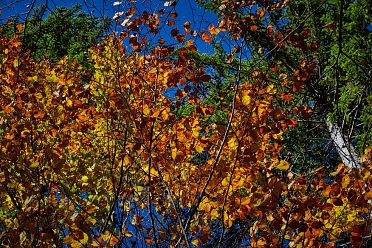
pixel 156 113
pixel 34 78
pixel 189 43
pixel 233 143
pixel 195 242
pixel 153 70
pixel 69 240
pixel 246 100
pixel 146 110
pixel 199 148
pixel 164 115
pixel 345 181
pixel 195 132
pixel 246 201
pixel 215 213
pixel 84 179
pixel 16 63
pixel 127 160
pixel 138 189
pixel 225 182
pixel 91 220
pixel 129 234
pixel 69 103
pixel 9 136
pixel 85 239
pixel 270 88
pixel 283 165
pixel 174 153
pixel 262 110
pixel 52 78
pixel 261 242
pixel 34 165
pixel 207 207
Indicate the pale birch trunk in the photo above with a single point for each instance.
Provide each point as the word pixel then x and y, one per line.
pixel 344 147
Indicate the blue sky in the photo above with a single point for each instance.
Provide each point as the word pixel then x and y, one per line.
pixel 187 10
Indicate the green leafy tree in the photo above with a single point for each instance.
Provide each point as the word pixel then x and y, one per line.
pixel 64 31
pixel 340 34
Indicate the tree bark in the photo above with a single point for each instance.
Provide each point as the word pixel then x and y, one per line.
pixel 344 147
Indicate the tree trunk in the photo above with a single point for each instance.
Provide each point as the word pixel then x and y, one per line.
pixel 344 147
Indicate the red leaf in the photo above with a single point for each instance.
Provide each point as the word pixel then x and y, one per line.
pixel 205 78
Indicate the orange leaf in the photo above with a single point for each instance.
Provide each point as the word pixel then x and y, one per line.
pixel 186 27
pixel 286 96
pixel 261 12
pixel 368 195
pixel 206 37
pixel 270 30
pixel 253 28
pixel 9 136
pixel 113 241
pixel 189 43
pixel 213 30
pixel 149 241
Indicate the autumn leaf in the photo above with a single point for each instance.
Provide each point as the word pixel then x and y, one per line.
pixel 368 195
pixel 199 148
pixel 84 179
pixel 246 100
pixel 85 239
pixel 196 242
pixel 206 37
pixel 174 153
pixel 253 28
pixel 146 110
pixel 171 23
pixel 213 30
pixel 233 143
pixel 189 43
pixel 113 240
pixel 148 135
pixel 283 165
pixel 149 241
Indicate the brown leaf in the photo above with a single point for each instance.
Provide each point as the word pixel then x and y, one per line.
pixel 171 23
pixel 173 15
pixel 205 78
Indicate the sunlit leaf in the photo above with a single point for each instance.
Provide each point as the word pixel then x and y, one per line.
pixel 283 165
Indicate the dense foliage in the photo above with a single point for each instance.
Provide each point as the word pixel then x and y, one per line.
pixel 158 144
